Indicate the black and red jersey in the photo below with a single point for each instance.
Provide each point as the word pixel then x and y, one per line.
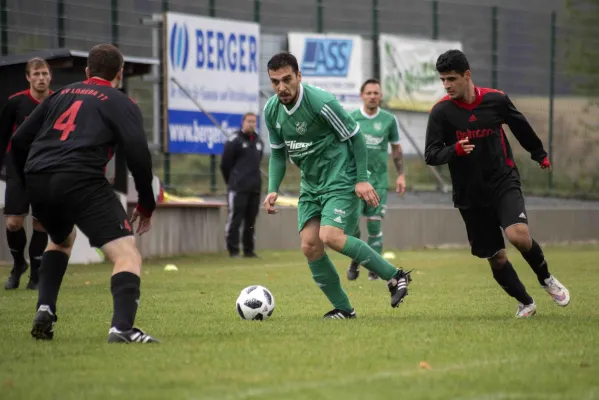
pixel 490 167
pixel 76 130
pixel 15 111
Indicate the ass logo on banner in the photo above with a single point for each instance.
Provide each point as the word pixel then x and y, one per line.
pixel 326 57
pixel 179 46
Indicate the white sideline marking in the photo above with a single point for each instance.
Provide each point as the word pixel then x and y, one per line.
pixel 297 386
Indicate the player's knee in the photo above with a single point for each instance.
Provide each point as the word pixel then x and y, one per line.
pixel 332 237
pixel 65 246
pixel 37 225
pixel 14 223
pixel 519 236
pixel 312 248
pixel 498 260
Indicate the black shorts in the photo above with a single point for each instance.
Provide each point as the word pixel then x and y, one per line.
pixel 484 225
pixel 16 202
pixel 63 200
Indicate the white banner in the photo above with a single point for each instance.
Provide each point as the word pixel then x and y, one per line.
pixel 332 62
pixel 408 74
pixel 217 62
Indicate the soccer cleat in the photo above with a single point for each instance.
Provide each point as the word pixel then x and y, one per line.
pixel 134 335
pixel 250 255
pixel 32 285
pixel 372 276
pixel 43 323
pixel 340 314
pixel 14 279
pixel 354 271
pixel 557 291
pixel 526 311
pixel 398 286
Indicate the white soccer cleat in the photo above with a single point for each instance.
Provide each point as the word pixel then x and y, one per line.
pixel 557 291
pixel 526 311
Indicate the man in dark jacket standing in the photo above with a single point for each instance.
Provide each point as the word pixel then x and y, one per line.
pixel 240 166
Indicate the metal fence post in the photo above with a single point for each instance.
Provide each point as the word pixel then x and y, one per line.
pixel 319 11
pixel 551 94
pixel 435 5
pixel 114 19
pixel 212 12
pixel 60 12
pixel 375 40
pixel 494 34
pixel 257 4
pixel 4 28
pixel 167 157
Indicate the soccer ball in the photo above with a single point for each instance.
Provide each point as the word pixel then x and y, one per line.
pixel 255 303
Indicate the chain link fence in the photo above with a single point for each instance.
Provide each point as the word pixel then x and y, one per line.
pixel 545 60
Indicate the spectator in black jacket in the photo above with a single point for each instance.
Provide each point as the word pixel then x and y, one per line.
pixel 240 166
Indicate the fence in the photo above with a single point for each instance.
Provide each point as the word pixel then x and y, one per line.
pixel 546 61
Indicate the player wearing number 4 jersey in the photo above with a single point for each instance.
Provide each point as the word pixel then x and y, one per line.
pixel 60 153
pixel 319 136
pixel 465 131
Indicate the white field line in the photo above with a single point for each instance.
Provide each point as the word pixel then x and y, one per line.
pixel 291 387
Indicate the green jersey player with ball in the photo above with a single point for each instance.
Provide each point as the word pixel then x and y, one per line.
pixel 309 125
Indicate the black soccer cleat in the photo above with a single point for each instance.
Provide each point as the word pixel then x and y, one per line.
pixel 354 271
pixel 340 314
pixel 398 286
pixel 134 335
pixel 32 285
pixel 372 276
pixel 14 279
pixel 43 324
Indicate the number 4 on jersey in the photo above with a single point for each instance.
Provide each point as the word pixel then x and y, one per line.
pixel 66 122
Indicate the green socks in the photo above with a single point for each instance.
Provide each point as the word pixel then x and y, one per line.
pixel 364 255
pixel 326 277
pixel 375 235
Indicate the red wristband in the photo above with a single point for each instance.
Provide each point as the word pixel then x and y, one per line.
pixel 545 163
pixel 459 150
pixel 143 211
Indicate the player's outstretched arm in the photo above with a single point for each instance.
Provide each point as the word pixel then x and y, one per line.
pixel 525 134
pixel 127 122
pixel 7 122
pixel 23 137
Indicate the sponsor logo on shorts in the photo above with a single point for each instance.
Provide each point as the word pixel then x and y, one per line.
pixel 338 220
pixel 339 212
pixel 522 215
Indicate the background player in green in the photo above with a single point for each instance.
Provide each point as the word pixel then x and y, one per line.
pixel 310 126
pixel 380 128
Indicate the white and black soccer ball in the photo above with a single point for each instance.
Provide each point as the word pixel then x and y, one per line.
pixel 255 303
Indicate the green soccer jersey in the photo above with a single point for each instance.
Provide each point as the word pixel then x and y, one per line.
pixel 379 130
pixel 315 133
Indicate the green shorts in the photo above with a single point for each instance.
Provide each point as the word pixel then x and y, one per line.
pixel 337 208
pixel 378 211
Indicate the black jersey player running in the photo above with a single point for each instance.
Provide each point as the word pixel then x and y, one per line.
pixel 60 153
pixel 465 131
pixel 16 205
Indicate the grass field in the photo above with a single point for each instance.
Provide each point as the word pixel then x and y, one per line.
pixel 456 320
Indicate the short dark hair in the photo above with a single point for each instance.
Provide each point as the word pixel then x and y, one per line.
pixel 452 60
pixel 370 81
pixel 36 63
pixel 282 60
pixel 247 114
pixel 104 61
